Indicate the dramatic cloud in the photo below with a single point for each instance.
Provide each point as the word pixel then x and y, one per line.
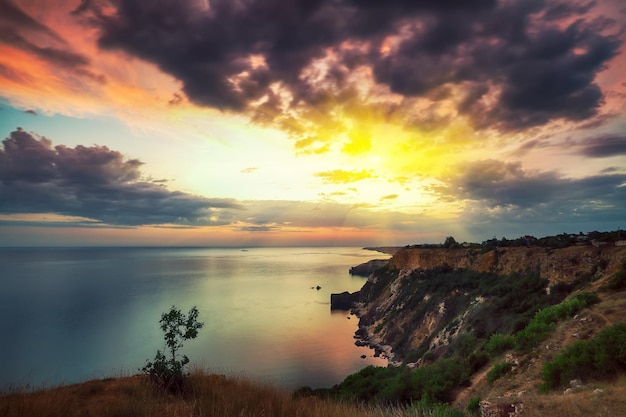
pixel 603 146
pixel 511 65
pixel 93 183
pixel 500 185
pixel 401 115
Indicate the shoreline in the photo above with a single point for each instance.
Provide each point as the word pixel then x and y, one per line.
pixel 364 337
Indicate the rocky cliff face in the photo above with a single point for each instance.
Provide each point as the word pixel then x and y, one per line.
pixel 404 314
pixel 556 265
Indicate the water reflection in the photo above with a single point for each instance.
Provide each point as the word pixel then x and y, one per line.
pixel 75 314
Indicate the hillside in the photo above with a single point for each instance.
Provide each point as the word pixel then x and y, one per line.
pixel 431 305
pixel 421 296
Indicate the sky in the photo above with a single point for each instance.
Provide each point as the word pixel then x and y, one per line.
pixel 317 122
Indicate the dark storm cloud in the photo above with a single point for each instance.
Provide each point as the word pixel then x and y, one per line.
pixel 522 52
pixel 92 182
pixel 499 184
pixel 541 70
pixel 603 146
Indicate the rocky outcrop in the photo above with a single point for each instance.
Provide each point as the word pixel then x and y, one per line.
pixel 344 300
pixel 488 409
pixel 368 268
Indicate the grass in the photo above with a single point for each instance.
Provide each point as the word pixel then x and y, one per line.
pixel 207 395
pixel 610 402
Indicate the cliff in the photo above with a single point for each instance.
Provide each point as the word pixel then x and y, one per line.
pixel 426 297
pixel 556 265
pixel 368 268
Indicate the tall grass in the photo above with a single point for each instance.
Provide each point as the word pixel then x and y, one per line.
pixel 207 395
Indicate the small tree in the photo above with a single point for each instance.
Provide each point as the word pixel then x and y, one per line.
pixel 177 327
pixel 450 243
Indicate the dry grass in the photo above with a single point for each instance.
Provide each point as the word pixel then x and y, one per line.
pixel 610 402
pixel 208 395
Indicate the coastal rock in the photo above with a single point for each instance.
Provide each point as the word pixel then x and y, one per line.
pixel 343 301
pixel 368 268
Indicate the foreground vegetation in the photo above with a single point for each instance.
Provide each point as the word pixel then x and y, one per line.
pixel 206 395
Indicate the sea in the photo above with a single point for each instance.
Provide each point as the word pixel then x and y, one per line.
pixel 69 315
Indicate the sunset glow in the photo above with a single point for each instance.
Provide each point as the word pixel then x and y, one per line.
pixel 296 123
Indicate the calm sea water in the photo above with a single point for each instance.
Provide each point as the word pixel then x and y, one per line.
pixel 69 315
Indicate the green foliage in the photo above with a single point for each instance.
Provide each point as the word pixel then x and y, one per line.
pixel 167 372
pixel 464 346
pixel 600 358
pixel 617 281
pixel 425 409
pixel 438 381
pixel 432 383
pixel 498 371
pixel 512 301
pixel 474 405
pixel 499 343
pixel 544 321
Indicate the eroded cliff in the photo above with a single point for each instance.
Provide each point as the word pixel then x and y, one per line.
pixel 416 306
pixel 556 265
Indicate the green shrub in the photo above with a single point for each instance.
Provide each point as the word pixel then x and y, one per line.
pixel 499 343
pixel 434 383
pixel 532 334
pixel 498 371
pixel 617 281
pixel 600 358
pixel 544 321
pixel 474 405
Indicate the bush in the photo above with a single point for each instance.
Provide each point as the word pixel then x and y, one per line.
pixel 544 321
pixel 600 358
pixel 177 327
pixel 474 405
pixel 433 383
pixel 617 281
pixel 498 371
pixel 499 343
